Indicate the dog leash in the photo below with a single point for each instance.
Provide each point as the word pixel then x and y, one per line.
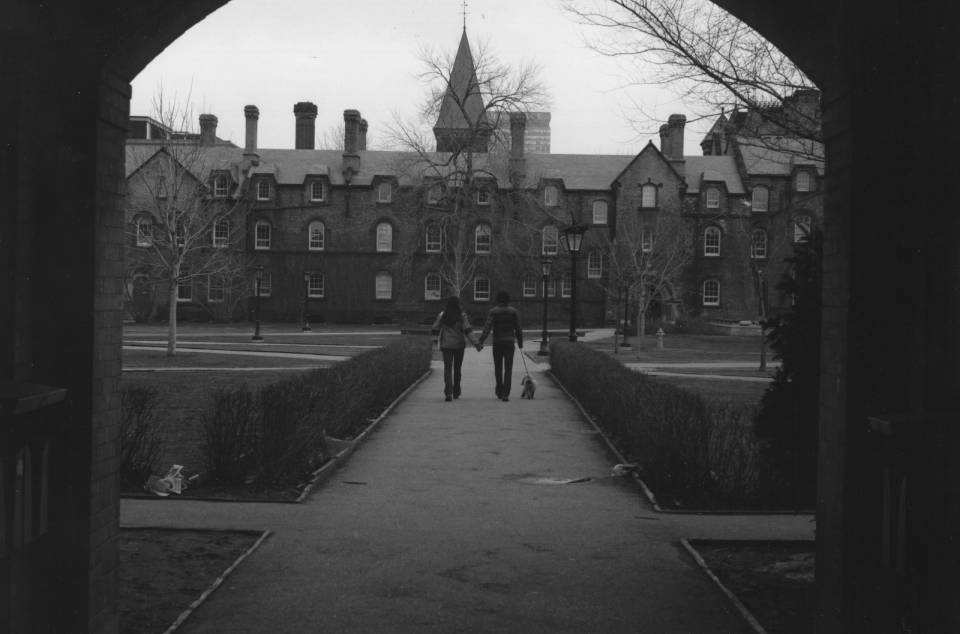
pixel 523 358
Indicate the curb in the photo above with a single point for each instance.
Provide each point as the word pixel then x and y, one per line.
pixel 737 603
pixel 651 498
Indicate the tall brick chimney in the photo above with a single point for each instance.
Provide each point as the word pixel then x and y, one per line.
pixel 251 114
pixel 351 143
pixel 363 134
pixel 306 114
pixel 518 134
pixel 208 130
pixel 671 136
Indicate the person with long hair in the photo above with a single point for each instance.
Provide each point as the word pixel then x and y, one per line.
pixel 453 327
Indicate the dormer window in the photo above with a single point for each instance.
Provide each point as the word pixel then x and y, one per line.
pixel 263 190
pixel 760 199
pixel 483 197
pixel 551 196
pixel 648 196
pixel 316 191
pixel 434 194
pixel 599 212
pixel 712 196
pixel 220 186
pixel 802 181
pixel 384 193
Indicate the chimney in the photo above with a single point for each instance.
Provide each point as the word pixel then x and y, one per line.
pixel 351 143
pixel 208 130
pixel 671 137
pixel 518 132
pixel 363 134
pixel 306 114
pixel 251 113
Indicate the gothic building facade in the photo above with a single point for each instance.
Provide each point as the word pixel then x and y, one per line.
pixel 375 236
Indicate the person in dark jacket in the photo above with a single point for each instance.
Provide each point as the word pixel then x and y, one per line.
pixel 504 322
pixel 453 328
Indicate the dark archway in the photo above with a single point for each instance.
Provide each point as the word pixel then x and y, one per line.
pixel 888 76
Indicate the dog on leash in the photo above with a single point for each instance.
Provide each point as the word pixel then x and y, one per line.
pixel 529 386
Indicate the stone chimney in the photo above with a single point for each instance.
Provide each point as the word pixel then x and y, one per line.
pixel 208 130
pixel 351 143
pixel 518 162
pixel 363 134
pixel 251 113
pixel 671 137
pixel 306 115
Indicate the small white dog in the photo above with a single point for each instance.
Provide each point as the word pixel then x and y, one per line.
pixel 529 386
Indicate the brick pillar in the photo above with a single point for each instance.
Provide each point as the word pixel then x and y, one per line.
pixel 306 115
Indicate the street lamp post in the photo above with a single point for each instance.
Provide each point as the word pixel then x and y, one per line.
pixel 545 264
pixel 306 298
pixel 626 283
pixel 573 237
pixel 256 305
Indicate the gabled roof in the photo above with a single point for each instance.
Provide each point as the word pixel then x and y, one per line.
pixel 462 105
pixel 649 147
pixel 699 169
pixel 778 155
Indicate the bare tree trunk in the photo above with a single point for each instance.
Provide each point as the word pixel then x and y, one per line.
pixel 763 348
pixel 172 319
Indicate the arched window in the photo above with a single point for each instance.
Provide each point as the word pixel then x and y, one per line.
pixel 711 293
pixel 221 233
pixel 144 232
pixel 316 286
pixel 481 289
pixel 760 199
pixel 318 233
pixel 384 285
pixel 713 198
pixel 550 240
pixel 648 196
pixel 551 196
pixel 599 212
pixel 482 238
pixel 758 244
pixel 711 241
pixel 261 235
pixel 801 228
pixel 434 240
pixel 595 264
pixel 384 193
pixel 384 237
pixel 431 286
pixel 802 181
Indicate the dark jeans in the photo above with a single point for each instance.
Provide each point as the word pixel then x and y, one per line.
pixel 452 362
pixel 503 366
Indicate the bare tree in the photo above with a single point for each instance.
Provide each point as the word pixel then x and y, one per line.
pixel 458 179
pixel 185 225
pixel 714 62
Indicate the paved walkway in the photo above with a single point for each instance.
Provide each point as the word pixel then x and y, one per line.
pixel 443 521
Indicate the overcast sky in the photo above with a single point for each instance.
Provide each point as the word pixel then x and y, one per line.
pixel 363 54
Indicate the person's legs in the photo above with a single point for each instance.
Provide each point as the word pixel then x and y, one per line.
pixel 457 366
pixel 507 370
pixel 498 368
pixel 447 372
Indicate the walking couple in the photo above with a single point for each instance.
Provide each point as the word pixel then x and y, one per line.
pixel 454 331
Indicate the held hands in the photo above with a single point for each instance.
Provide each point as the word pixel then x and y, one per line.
pixel 478 346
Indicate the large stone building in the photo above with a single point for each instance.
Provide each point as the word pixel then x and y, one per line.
pixel 367 236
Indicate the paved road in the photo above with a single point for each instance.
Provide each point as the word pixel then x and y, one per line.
pixel 443 521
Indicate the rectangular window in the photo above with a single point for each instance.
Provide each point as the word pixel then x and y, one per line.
pixel 646 240
pixel 803 182
pixel 595 265
pixel 550 196
pixel 263 190
pixel 184 287
pixel 551 290
pixel 221 233
pixel 550 240
pixel 433 194
pixel 261 236
pixel 316 191
pixel 315 286
pixel 648 196
pixel 481 289
pixel 713 198
pixel 144 233
pixel 566 287
pixel 482 241
pixel 711 293
pixel 431 287
pixel 483 197
pixel 384 287
pixel 220 187
pixel 529 287
pixel 434 239
pixel 266 284
pixel 760 199
pixel 384 193
pixel 216 292
pixel 599 212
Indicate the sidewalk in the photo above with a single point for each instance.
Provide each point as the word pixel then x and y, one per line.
pixel 446 520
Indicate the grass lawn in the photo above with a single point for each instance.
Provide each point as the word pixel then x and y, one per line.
pixel 162 571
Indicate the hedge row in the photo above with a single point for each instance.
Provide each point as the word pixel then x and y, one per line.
pixel 278 434
pixel 692 451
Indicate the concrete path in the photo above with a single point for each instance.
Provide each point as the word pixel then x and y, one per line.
pixel 444 520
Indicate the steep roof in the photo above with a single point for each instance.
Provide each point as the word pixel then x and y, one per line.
pixel 777 155
pixel 462 105
pixel 697 169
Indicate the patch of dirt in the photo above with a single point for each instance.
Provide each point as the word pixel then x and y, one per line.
pixel 773 579
pixel 162 571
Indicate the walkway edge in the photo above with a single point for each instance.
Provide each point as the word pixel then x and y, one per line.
pixel 737 603
pixel 323 473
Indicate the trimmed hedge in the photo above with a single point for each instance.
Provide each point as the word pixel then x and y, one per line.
pixel 278 435
pixel 693 452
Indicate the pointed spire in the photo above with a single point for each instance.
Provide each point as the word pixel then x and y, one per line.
pixel 462 112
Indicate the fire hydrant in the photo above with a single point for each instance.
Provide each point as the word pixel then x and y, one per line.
pixel 660 335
